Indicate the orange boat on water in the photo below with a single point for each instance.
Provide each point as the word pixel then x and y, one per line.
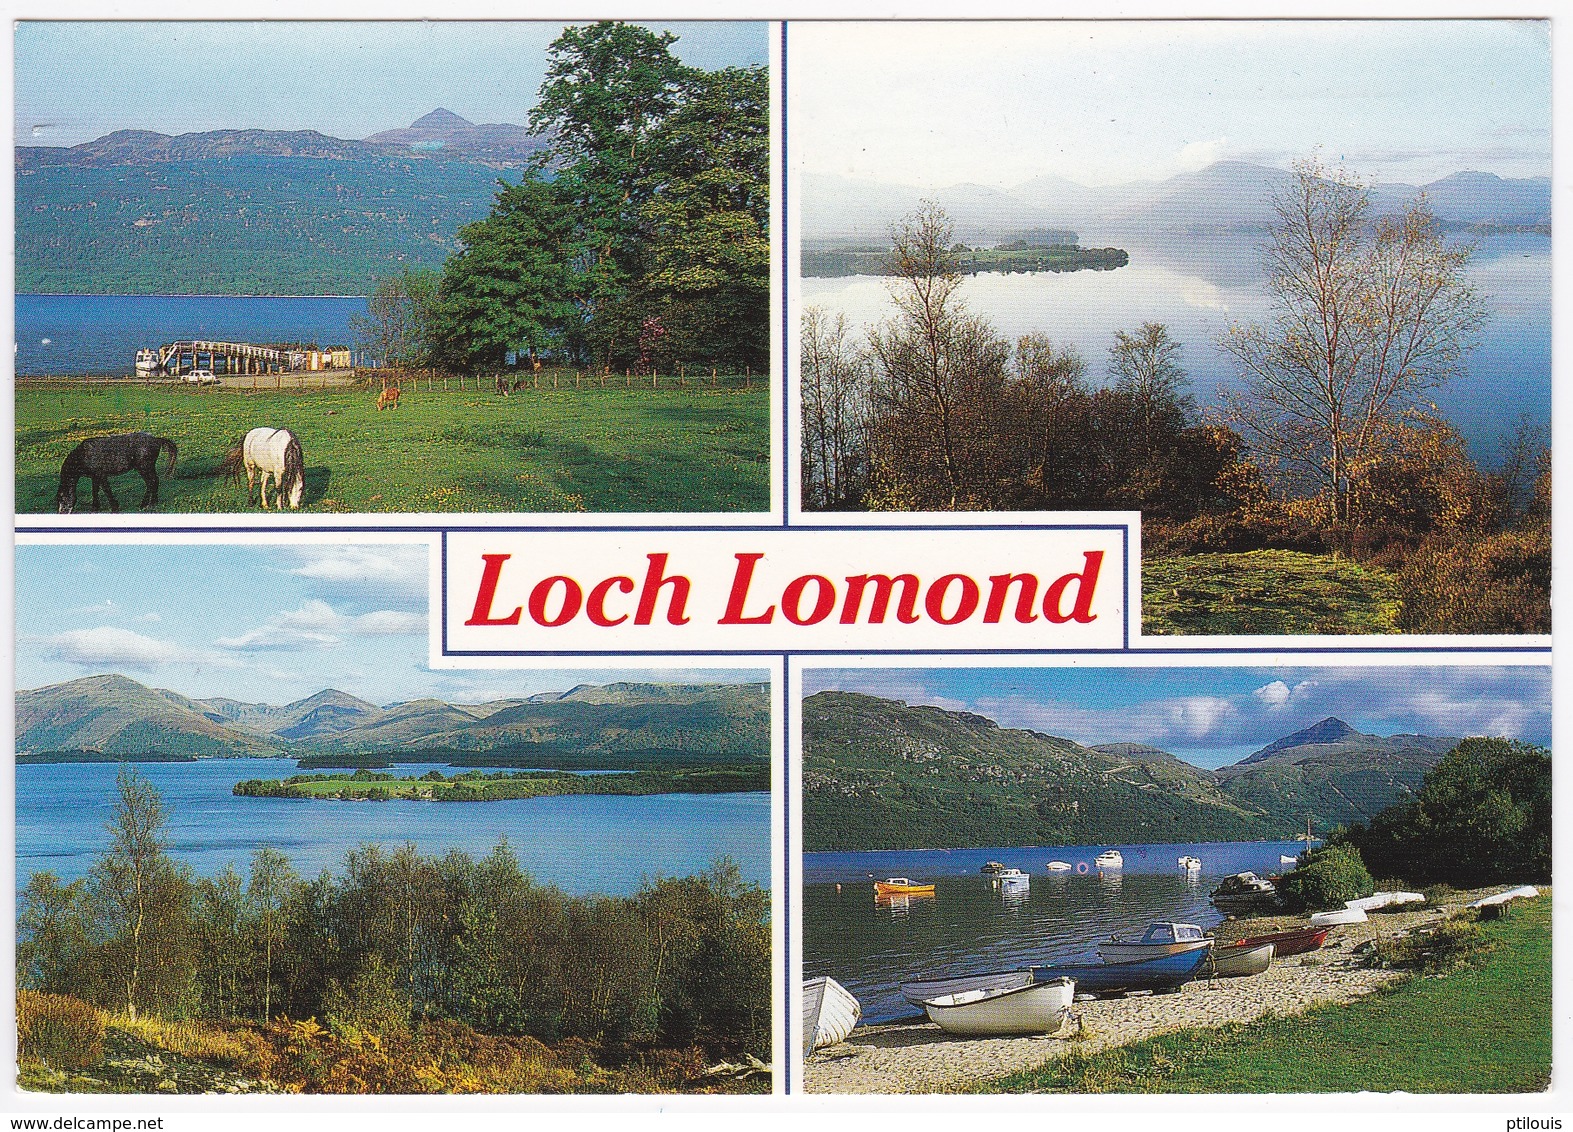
pixel 901 886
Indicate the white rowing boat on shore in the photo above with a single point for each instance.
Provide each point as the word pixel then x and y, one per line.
pixel 1037 1009
pixel 1338 917
pixel 829 1013
pixel 922 990
pixel 1238 960
pixel 1522 892
pixel 1386 900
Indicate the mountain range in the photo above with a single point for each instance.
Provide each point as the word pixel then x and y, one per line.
pixel 1225 196
pixel 255 211
pixel 882 774
pixel 112 715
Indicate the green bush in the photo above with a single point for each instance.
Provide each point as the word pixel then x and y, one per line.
pixel 55 1028
pixel 1326 878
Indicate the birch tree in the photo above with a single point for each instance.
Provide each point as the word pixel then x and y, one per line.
pixel 1368 315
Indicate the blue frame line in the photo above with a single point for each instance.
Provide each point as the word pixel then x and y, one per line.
pixel 786 859
pixel 786 305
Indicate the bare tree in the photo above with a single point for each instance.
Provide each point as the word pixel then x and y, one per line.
pixel 939 374
pixel 834 385
pixel 1367 317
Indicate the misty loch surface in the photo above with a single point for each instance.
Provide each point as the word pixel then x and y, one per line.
pixel 972 924
pixel 1199 286
pixel 580 843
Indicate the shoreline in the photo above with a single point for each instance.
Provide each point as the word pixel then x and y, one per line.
pixel 918 1057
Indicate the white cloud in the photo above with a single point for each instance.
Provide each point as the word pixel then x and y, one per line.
pixel 1200 154
pixel 1277 694
pixel 273 637
pixel 380 576
pixel 107 646
pixel 316 624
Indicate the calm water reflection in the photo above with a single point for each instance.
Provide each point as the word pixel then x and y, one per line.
pixel 973 923
pixel 1199 286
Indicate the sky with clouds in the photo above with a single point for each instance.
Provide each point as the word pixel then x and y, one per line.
pixel 934 104
pixel 261 623
pixel 1216 715
pixel 76 81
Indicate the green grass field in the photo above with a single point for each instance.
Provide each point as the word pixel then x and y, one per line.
pixel 1483 1029
pixel 698 448
pixel 1266 591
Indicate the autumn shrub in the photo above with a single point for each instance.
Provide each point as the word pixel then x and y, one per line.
pixel 63 1031
pixel 1479 584
pixel 1265 526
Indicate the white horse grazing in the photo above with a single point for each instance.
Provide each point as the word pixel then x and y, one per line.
pixel 275 453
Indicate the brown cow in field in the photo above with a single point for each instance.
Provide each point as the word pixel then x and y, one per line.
pixel 388 398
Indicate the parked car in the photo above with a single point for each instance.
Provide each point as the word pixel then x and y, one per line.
pixel 201 377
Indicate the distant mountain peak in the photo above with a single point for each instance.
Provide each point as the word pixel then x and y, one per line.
pixel 1329 730
pixel 440 119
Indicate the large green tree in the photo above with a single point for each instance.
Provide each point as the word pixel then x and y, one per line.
pixel 641 237
pixel 1482 816
pixel 512 290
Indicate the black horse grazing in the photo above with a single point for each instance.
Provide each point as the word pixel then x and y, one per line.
pixel 100 457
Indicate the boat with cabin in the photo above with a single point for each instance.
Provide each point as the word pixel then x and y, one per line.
pixel 1159 938
pixel 1109 859
pixel 1244 892
pixel 992 869
pixel 146 363
pixel 1037 1008
pixel 1190 864
pixel 901 886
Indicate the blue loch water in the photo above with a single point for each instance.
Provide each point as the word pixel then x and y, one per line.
pixel 100 334
pixel 582 844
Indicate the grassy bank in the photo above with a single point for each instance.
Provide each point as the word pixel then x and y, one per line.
pixel 1485 1028
pixel 1266 591
pixel 694 448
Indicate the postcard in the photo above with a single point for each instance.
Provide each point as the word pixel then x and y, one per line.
pixel 784 568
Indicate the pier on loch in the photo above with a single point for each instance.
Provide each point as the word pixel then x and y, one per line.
pixel 227 358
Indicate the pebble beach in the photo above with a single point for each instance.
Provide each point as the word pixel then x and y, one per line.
pixel 919 1057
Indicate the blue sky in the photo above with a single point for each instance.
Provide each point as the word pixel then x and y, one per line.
pixel 935 104
pixel 263 624
pixel 76 81
pixel 1216 715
